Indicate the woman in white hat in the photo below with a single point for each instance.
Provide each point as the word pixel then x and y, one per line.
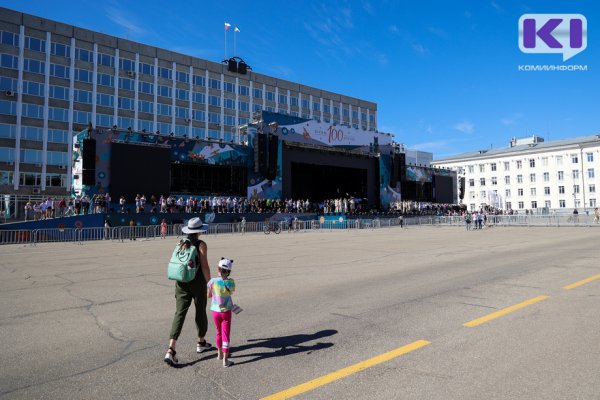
pixel 194 290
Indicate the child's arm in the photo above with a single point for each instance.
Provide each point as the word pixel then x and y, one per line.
pixel 209 289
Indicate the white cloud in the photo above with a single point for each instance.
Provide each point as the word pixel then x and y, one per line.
pixel 124 21
pixel 465 127
pixel 508 121
pixel 419 48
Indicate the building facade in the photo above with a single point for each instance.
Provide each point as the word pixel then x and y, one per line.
pixel 530 175
pixel 55 79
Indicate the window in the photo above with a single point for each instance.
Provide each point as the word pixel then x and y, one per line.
pixel 482 181
pixel 590 172
pixel 81 75
pixel 472 195
pixel 305 104
pixel 471 182
pixel 493 166
pixel 533 191
pixel 214 84
pixel 34 66
pixel 559 160
pixel 165 91
pixel 257 93
pixel 508 205
pixel 520 192
pixel 257 108
pixel 229 119
pixel 183 77
pixel 107 60
pixel 126 64
pixel 214 118
pixel 198 132
pixel 562 203
pixel 84 55
pixel 9 61
pixel 575 174
pixel 507 192
pixel 181 130
pixel 198 115
pixel 481 167
pixel 534 204
pixel 547 204
pixel 59 92
pixel 58 114
pixel 7 154
pixel 546 176
pixel 547 190
pixel 576 189
pixel 229 87
pixel 198 97
pixel 32 133
pixel 532 178
pixel 182 94
pixel 30 179
pixel 214 101
pixel 56 180
pixel 35 89
pixel 106 80
pixel 282 99
pixel 270 96
pixel 354 114
pixel 592 188
pixel 574 159
pixel 182 112
pixel 7 131
pixel 62 71
pixel 163 109
pixel 145 125
pixel 561 175
pixel 519 178
pixel 126 84
pixel 163 127
pixel 126 103
pixel 471 169
pixel 9 84
pixel 33 111
pixel 519 164
pixel 544 161
pixel 146 69
pixel 294 101
pixel 316 106
pixel 146 106
pixel 590 157
pixel 57 158
pixel 82 96
pixel 35 44
pixel 57 136
pixel 199 80
pixel 243 106
pixel 82 117
pixel 229 103
pixel 592 202
pixel 9 38
pixel 507 180
pixel 30 156
pixel 146 87
pixel 561 189
pixel 214 134
pixel 483 195
pixel 532 163
pixel 166 73
pixel 494 180
pixel 521 205
pixel 104 120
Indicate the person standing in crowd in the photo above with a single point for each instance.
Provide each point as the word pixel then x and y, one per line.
pixel 131 229
pixel 122 204
pixel 220 290
pixel 28 209
pixel 468 219
pixel 196 291
pixel 163 229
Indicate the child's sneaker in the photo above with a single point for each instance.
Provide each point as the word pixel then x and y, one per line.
pixel 203 346
pixel 227 364
pixel 171 357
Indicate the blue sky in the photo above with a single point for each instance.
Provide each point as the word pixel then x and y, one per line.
pixel 443 73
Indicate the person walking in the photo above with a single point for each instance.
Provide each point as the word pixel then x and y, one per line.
pixel 596 215
pixel 186 292
pixel 220 290
pixel 468 219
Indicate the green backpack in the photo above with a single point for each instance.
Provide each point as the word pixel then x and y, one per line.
pixel 182 266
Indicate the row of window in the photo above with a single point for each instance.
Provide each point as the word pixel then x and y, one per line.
pixel 547 204
pixel 532 177
pixel 533 191
pixel 532 162
pixel 31 156
pixel 33 179
pixel 34 133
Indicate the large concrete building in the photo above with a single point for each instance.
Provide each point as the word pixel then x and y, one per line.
pixel 56 78
pixel 530 174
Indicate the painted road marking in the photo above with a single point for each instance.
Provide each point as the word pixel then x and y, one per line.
pixel 582 282
pixel 344 372
pixel 504 311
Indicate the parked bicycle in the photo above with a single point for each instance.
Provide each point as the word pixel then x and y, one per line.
pixel 272 227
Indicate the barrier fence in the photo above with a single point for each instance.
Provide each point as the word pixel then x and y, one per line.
pixel 153 232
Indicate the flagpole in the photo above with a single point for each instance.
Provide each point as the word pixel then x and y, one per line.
pixel 234 30
pixel 225 37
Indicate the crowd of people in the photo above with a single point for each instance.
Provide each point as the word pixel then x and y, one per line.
pixel 56 207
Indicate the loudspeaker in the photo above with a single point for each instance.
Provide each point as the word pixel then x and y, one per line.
pixel 242 68
pixel 232 65
pixel 89 177
pixel 89 154
pixel 260 153
pixel 461 188
pixel 272 158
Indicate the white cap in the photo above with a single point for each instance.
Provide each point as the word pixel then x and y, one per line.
pixel 226 264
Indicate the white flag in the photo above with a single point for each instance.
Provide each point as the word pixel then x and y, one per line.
pixel 236 29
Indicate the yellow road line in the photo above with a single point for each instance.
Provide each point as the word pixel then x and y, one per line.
pixel 582 282
pixel 344 372
pixel 504 311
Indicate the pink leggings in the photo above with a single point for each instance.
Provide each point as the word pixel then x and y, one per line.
pixel 223 328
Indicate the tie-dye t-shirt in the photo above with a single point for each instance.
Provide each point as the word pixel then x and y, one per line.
pixel 221 291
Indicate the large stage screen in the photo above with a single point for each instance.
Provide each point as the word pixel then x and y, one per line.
pixel 139 170
pixel 444 189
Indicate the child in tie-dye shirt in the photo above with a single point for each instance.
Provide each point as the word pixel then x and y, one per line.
pixel 220 289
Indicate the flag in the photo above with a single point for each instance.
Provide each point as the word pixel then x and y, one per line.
pixel 236 29
pixel 227 26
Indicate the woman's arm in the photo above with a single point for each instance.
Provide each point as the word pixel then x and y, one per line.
pixel 203 255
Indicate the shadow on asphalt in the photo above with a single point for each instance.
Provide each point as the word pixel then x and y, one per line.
pixel 280 346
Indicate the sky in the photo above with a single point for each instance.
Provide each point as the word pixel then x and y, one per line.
pixel 444 74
